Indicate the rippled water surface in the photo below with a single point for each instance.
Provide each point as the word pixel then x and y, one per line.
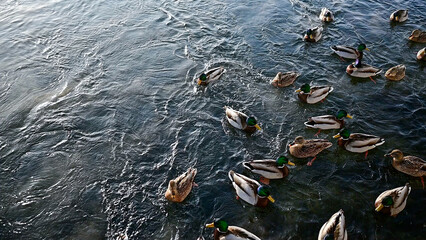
pixel 99 110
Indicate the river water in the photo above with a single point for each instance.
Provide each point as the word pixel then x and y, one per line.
pixel 99 110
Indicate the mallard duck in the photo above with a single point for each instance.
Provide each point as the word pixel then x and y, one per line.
pixel 421 55
pixel 334 228
pixel 395 73
pixel 358 142
pixel 418 36
pixel 180 187
pixel 361 70
pixel 210 76
pixel 326 122
pixel 411 165
pixel 241 121
pixel 326 15
pixel 284 79
pixel 225 232
pixel 269 168
pixel 349 52
pixel 313 34
pixel 302 148
pixel 399 16
pixel 393 201
pixel 250 190
pixel 312 95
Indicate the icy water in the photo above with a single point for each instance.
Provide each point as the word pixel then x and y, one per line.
pixel 99 110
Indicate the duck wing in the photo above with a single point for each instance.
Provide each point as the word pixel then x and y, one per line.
pixel 215 73
pixel 267 168
pixel 361 140
pixel 240 234
pixel 245 187
pixel 184 181
pixel 414 166
pixel 345 51
pixel 235 118
pixel 323 122
pixel 336 226
pixel 314 146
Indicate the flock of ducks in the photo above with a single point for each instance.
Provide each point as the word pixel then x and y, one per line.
pixel 390 202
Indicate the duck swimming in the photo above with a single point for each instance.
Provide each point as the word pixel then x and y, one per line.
pixel 326 122
pixel 284 79
pixel 180 187
pixel 326 15
pixel 393 201
pixel 396 73
pixel 313 35
pixel 421 55
pixel 358 142
pixel 334 228
pixel 210 76
pixel 399 16
pixel 411 165
pixel 250 190
pixel 418 36
pixel 358 69
pixel 311 95
pixel 269 168
pixel 225 232
pixel 302 148
pixel 349 52
pixel 241 121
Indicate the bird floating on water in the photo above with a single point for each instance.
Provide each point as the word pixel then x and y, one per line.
pixel 284 79
pixel 358 142
pixel 349 52
pixel 396 73
pixel 241 121
pixel 326 122
pixel 313 34
pixel 393 201
pixel 180 187
pixel 303 148
pixel 269 168
pixel 418 36
pixel 224 232
pixel 311 95
pixel 210 76
pixel 411 165
pixel 326 15
pixel 421 55
pixel 334 228
pixel 399 16
pixel 362 70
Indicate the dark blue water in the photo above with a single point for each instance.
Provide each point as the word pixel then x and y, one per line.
pixel 99 110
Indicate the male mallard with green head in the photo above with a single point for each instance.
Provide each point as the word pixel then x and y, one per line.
pixel 225 232
pixel 362 70
pixel 393 201
pixel 250 190
pixel 358 142
pixel 313 34
pixel 210 76
pixel 411 165
pixel 311 95
pixel 241 121
pixel 269 168
pixel 326 122
pixel 334 228
pixel 302 148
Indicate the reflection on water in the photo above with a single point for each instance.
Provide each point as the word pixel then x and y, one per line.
pixel 99 110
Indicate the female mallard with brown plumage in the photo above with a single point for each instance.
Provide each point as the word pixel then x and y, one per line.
pixel 411 165
pixel 396 73
pixel 334 228
pixel 180 187
pixel 225 232
pixel 393 201
pixel 250 190
pixel 311 95
pixel 362 70
pixel 284 79
pixel 302 148
pixel 210 76
pixel 269 168
pixel 358 142
pixel 418 36
pixel 241 121
pixel 326 122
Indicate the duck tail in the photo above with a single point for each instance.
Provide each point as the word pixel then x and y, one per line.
pixel 248 166
pixel 231 175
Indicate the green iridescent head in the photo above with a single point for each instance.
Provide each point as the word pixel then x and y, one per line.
pixel 305 88
pixel 362 47
pixel 387 201
pixel 263 191
pixel 345 133
pixel 281 161
pixel 251 121
pixel 221 225
pixel 203 77
pixel 341 114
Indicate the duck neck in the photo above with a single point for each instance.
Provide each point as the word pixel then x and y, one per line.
pixel 218 234
pixel 284 170
pixel 341 142
pixel 262 201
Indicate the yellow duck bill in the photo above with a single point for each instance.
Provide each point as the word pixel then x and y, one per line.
pixel 271 199
pixel 379 207
pixel 257 127
pixel 210 225
pixel 336 136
